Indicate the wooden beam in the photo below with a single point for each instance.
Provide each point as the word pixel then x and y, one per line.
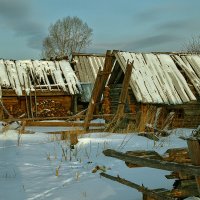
pixel 76 131
pixel 78 115
pixel 99 86
pixel 67 124
pixel 39 92
pixel 144 190
pixel 153 163
pixel 87 54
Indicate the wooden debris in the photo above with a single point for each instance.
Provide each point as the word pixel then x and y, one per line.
pixel 155 194
pixel 99 168
pixel 142 154
pixel 194 150
pixel 153 163
pixel 179 155
pixel 184 188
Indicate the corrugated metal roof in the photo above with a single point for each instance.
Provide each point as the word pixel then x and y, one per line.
pixel 26 75
pixel 156 79
pixel 87 65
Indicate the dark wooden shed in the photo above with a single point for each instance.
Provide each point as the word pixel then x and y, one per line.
pixel 37 88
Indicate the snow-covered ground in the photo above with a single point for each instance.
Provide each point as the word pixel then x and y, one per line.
pixel 40 166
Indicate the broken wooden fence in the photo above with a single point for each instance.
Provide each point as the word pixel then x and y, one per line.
pixel 184 168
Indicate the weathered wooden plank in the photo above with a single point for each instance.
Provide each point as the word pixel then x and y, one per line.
pixel 155 91
pixel 142 154
pixel 139 76
pixel 144 190
pixel 158 164
pixel 81 116
pixel 65 124
pixel 155 76
pixel 153 86
pixel 83 70
pixel 166 66
pixel 133 82
pixel 94 67
pixel 162 83
pixel 88 68
pixel 78 69
pixel 184 64
pixel 178 80
pixel 194 61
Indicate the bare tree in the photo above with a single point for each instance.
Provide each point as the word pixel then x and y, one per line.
pixel 193 45
pixel 66 36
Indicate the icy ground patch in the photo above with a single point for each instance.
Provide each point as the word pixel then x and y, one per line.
pixel 42 167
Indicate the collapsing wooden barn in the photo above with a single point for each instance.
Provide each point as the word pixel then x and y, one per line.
pixel 164 88
pixel 36 88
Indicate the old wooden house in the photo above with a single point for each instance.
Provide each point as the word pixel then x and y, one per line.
pixel 164 88
pixel 37 88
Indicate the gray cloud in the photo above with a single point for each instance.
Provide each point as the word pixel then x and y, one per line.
pixel 161 11
pixel 159 42
pixel 10 9
pixel 16 16
pixel 152 43
pixel 148 15
pixel 179 25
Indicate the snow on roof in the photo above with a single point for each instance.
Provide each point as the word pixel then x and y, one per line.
pixel 87 66
pixel 156 79
pixel 26 75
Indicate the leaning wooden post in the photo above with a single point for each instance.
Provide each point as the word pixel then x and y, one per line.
pixel 194 151
pixel 124 92
pixel 92 104
pixel 98 88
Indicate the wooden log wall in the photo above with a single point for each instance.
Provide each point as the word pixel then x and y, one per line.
pixel 47 106
pixel 187 115
pixel 113 97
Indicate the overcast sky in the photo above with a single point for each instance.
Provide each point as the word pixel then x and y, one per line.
pixel 133 25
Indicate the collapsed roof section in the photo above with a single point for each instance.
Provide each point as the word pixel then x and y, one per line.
pixel 28 75
pixel 87 65
pixel 158 78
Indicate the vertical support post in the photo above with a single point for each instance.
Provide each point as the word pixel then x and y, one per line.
pixel 35 99
pixel 75 104
pixel 194 151
pixel 27 108
pixel 98 88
